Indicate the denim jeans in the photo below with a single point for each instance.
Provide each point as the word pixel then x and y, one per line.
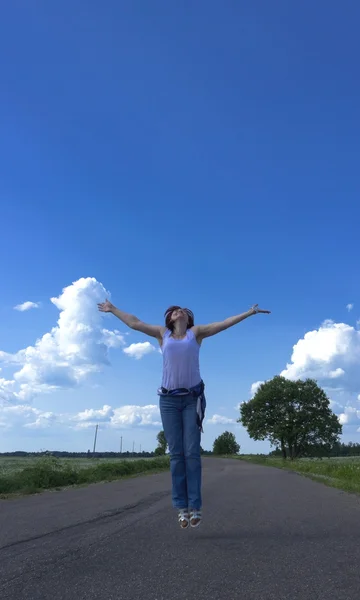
pixel 179 419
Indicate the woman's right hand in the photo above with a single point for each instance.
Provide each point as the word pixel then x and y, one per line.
pixel 106 306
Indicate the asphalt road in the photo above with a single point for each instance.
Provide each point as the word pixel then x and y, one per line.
pixel 267 535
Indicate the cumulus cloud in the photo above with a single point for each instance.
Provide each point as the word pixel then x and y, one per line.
pixel 44 420
pixel 7 391
pixel 349 307
pixel 113 339
pixel 91 415
pixel 64 357
pixel 336 373
pixel 26 306
pixel 349 416
pixel 131 415
pixel 139 350
pixel 254 387
pixel 122 417
pixel 220 420
pixel 327 353
pixel 24 415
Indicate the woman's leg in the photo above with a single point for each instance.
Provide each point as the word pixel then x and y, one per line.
pixel 171 416
pixel 191 442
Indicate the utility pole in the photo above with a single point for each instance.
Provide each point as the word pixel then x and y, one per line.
pixel 121 445
pixel 133 449
pixel 96 430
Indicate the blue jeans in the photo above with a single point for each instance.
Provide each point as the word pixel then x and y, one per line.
pixel 178 415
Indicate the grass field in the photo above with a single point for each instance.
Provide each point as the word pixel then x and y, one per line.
pixel 342 473
pixel 10 464
pixel 31 475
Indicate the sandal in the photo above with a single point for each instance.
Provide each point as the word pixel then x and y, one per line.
pixel 184 518
pixel 195 518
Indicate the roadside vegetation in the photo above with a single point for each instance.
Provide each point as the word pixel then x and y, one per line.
pixel 48 472
pixel 342 473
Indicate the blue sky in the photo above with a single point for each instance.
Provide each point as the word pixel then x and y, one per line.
pixel 190 153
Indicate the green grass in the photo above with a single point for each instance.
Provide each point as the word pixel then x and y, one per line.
pixel 10 464
pixel 341 473
pixel 32 475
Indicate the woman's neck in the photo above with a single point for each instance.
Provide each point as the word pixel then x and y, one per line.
pixel 179 329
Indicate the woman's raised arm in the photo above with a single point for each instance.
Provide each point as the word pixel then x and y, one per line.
pixel 131 321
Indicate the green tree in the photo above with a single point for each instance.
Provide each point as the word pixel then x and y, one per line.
pixel 294 416
pixel 162 443
pixel 226 444
pixel 159 451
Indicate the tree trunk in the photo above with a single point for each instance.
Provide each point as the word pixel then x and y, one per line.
pixel 283 449
pixel 291 451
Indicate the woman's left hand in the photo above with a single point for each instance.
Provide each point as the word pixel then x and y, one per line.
pixel 257 310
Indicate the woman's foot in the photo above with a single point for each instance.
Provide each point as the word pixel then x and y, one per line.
pixel 195 518
pixel 184 518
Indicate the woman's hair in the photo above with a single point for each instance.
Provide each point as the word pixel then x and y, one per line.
pixel 168 314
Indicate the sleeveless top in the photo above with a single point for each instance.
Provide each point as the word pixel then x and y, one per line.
pixel 180 361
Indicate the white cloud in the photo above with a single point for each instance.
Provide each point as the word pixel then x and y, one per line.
pixel 7 393
pixel 139 350
pixel 336 373
pixel 332 351
pixel 76 347
pixel 44 420
pixel 24 415
pixel 254 387
pixel 349 416
pixel 349 307
pixel 26 306
pixel 95 415
pixel 220 420
pixel 122 417
pixel 131 415
pixel 113 339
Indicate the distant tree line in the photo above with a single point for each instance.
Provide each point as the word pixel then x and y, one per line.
pixel 163 446
pixel 338 449
pixel 88 454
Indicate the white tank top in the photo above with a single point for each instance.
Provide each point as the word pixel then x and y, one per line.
pixel 180 361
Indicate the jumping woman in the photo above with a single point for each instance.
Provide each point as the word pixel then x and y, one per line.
pixel 182 399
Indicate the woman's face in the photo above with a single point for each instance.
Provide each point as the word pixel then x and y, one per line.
pixel 178 314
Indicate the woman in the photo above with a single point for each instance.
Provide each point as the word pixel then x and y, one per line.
pixel 182 400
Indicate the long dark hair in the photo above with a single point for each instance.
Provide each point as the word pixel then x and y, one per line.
pixel 168 314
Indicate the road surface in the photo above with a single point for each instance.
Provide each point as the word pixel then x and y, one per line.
pixel 267 535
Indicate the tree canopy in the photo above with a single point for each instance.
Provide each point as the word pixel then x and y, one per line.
pixel 226 444
pixel 293 415
pixel 162 443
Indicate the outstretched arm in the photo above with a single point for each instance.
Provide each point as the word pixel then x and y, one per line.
pixel 131 321
pixel 204 331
